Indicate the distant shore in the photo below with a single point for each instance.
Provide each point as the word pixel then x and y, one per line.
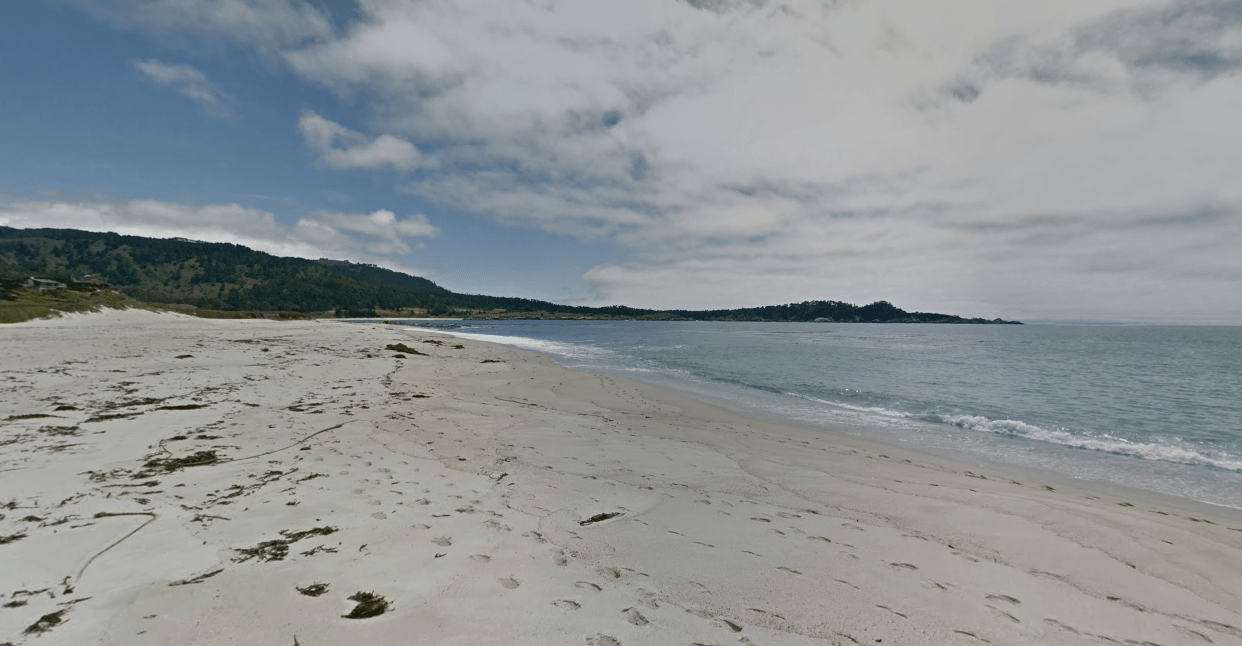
pixel 170 479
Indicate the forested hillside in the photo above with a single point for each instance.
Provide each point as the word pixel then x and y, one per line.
pixel 222 276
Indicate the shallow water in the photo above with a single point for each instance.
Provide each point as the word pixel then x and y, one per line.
pixel 1156 408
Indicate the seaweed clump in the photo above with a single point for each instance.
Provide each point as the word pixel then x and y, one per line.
pixel 368 605
pixel 597 518
pixel 313 590
pixel 278 548
pixel 401 347
pixel 198 459
pixel 46 622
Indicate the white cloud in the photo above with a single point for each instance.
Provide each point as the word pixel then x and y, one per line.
pixel 385 232
pixel 190 82
pixel 343 149
pixel 996 158
pixel 379 238
pixel 264 25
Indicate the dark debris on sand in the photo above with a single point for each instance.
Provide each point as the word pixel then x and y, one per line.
pixel 277 549
pixel 198 459
pixel 313 590
pixel 198 579
pixel 401 347
pixel 598 518
pixel 369 605
pixel 46 622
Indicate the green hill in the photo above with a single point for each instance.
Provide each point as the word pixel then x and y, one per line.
pixel 221 276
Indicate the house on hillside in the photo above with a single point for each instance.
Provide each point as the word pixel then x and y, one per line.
pixel 43 284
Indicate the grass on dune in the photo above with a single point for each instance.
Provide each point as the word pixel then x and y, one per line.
pixel 24 304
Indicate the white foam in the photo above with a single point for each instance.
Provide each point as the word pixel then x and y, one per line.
pixel 1170 451
pixel 570 350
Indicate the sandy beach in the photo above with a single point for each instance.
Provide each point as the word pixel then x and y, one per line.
pixel 173 480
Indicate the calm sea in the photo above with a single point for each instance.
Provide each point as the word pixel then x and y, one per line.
pixel 1155 408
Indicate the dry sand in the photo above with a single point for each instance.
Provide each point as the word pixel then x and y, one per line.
pixel 460 487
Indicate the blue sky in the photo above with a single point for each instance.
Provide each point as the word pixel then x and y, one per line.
pixel 1044 161
pixel 83 124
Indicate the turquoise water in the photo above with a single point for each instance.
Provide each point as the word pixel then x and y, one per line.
pixel 1156 408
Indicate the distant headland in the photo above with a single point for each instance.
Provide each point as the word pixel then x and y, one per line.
pixel 230 281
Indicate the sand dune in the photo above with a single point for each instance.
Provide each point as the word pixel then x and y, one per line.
pixel 168 480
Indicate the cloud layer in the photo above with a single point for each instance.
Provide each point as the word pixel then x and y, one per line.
pixel 380 237
pixel 1058 159
pixel 189 82
pixel 343 149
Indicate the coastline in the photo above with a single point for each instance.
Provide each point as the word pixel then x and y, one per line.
pixel 730 529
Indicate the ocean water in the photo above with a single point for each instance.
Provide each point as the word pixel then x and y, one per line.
pixel 1152 408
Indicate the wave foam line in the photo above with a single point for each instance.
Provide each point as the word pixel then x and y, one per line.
pixel 1144 450
pixel 1015 428
pixel 552 347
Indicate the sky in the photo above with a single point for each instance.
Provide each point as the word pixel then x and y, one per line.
pixel 1043 161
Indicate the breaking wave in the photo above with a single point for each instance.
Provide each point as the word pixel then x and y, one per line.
pixel 1173 451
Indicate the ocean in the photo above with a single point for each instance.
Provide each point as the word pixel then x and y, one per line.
pixel 1152 408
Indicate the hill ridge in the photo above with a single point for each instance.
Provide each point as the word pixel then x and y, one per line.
pixel 227 276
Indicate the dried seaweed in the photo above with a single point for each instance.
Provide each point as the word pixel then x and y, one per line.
pixel 369 605
pixel 313 590
pixel 201 458
pixel 197 579
pixel 401 347
pixel 278 548
pixel 597 518
pixel 46 622
pixel 274 550
pixel 317 531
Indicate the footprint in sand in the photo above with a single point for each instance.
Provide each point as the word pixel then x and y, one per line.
pixel 635 617
pixel 558 557
pixel 790 570
pixel 587 585
pixel 442 541
pixel 904 566
pixel 481 558
pixel 566 604
pixel 602 640
pixel 420 526
pixel 727 625
pixel 510 583
pixel 609 572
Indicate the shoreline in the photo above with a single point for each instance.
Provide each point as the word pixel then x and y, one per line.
pixel 865 433
pixel 467 488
